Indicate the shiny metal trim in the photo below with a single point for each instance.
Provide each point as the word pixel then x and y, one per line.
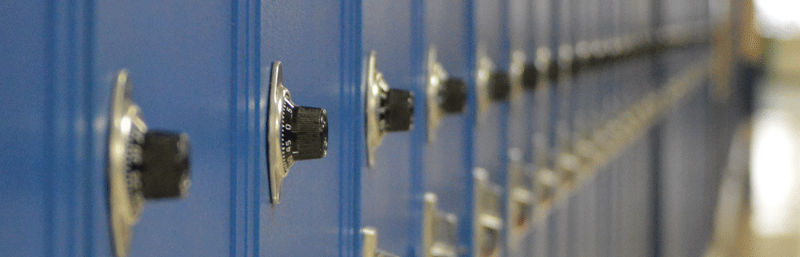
pixel 542 61
pixel 566 55
pixel 125 114
pixel 277 95
pixel 547 182
pixel 487 223
pixel 520 200
pixel 484 69
pixel 436 75
pixel 439 230
pixel 515 69
pixel 376 88
pixel 369 244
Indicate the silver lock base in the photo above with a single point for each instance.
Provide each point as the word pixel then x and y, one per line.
pixel 125 122
pixel 275 98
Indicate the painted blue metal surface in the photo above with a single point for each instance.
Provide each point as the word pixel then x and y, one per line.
pixel 25 162
pixel 448 160
pixel 491 138
pixel 194 72
pixel 179 58
pixel 309 38
pixel 200 68
pixel 521 116
pixel 386 193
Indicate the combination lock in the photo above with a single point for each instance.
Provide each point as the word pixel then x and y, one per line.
pixel 294 133
pixel 142 164
pixel 445 95
pixel 492 85
pixel 387 109
pixel 523 75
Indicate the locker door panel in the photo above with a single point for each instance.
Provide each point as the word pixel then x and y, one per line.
pixel 447 157
pixel 491 125
pixel 25 157
pixel 385 189
pixel 491 25
pixel 522 118
pixel 306 36
pixel 179 59
pixel 521 104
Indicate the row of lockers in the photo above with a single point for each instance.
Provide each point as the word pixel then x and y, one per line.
pixel 450 128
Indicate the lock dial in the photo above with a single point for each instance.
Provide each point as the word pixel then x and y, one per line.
pixel 445 95
pixel 294 133
pixel 142 164
pixel 387 109
pixel 491 84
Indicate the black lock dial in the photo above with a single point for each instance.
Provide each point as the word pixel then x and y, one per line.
pixel 165 164
pixel 304 133
pixel 453 95
pixel 444 95
pixel 530 76
pixel 141 164
pixel 499 86
pixel 575 65
pixel 553 70
pixel 398 110
pixel 386 109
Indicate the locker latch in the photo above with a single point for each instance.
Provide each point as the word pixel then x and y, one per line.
pixel 547 182
pixel 520 198
pixel 444 94
pixel 294 133
pixel 439 234
pixel 142 163
pixel 387 109
pixel 369 245
pixel 487 224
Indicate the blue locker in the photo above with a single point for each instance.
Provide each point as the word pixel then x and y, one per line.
pixel 180 67
pixel 28 73
pixel 520 197
pixel 197 68
pixel 492 94
pixel 386 191
pixel 455 182
pixel 446 155
pixel 319 48
pixel 492 46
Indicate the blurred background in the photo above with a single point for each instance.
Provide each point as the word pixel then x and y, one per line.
pixel 759 208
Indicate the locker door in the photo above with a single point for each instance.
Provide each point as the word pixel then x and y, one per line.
pixel 491 138
pixel 317 45
pixel 385 182
pixel 179 57
pixel 523 75
pixel 543 36
pixel 26 165
pixel 197 71
pixel 447 151
pixel 493 93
